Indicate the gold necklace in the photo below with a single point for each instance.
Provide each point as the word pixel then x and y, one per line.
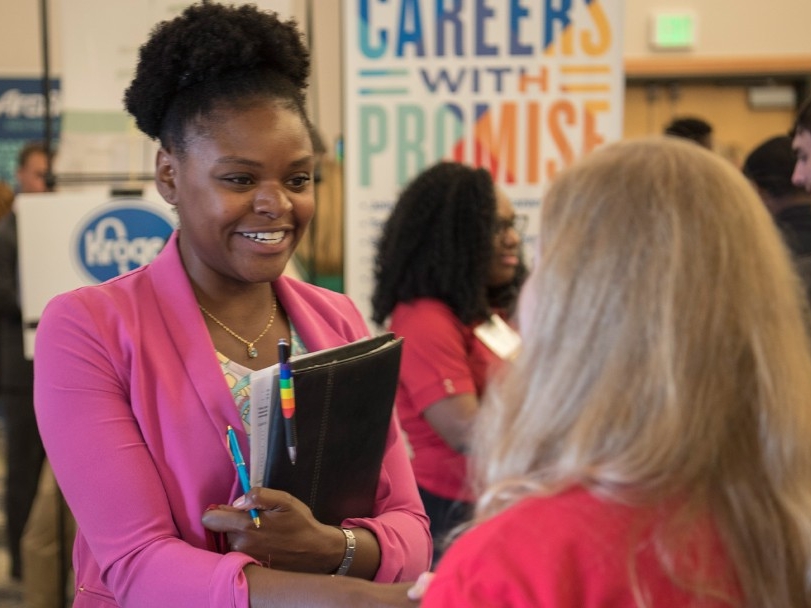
pixel 252 352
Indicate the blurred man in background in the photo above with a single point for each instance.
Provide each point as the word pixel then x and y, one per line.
pixel 801 144
pixel 771 169
pixel 24 452
pixel 692 128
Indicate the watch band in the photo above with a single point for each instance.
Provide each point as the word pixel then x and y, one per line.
pixel 351 542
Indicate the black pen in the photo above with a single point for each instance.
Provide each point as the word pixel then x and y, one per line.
pixel 288 399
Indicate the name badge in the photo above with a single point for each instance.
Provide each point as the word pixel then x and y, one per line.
pixel 499 337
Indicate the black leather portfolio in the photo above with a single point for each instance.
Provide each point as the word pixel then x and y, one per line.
pixel 344 401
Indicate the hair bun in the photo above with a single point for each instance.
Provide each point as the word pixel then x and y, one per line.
pixel 208 42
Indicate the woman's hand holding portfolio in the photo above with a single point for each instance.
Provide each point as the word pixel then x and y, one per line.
pixel 290 538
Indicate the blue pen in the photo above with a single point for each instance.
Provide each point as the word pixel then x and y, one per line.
pixel 239 463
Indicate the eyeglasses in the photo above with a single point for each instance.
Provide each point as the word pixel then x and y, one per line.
pixel 517 223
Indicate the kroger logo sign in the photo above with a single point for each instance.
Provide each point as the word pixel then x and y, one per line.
pixel 117 239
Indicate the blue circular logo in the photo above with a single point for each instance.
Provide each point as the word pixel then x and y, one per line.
pixel 119 238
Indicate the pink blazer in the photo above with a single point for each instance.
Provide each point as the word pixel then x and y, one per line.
pixel 132 407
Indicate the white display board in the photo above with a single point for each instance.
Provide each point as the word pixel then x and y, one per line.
pixel 523 88
pixel 82 238
pixel 100 40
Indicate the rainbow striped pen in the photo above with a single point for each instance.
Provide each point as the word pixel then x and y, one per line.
pixel 288 399
pixel 239 463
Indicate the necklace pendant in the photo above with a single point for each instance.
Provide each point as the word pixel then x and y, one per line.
pixel 252 352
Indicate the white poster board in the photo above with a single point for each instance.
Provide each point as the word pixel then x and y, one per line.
pixel 522 88
pixel 84 238
pixel 100 41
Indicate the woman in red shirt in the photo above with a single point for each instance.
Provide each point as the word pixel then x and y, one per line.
pixel 650 445
pixel 448 270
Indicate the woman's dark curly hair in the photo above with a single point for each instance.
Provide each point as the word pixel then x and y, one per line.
pixel 438 243
pixel 213 56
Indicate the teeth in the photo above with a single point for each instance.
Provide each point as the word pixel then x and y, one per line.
pixel 272 238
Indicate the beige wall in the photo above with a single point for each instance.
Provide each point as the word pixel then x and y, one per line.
pixel 728 27
pixel 20 38
pixel 730 34
pixel 325 94
pixel 737 128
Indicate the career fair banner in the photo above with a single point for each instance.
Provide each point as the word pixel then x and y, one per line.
pixel 520 87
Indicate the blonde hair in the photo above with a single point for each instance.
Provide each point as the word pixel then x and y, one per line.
pixel 665 356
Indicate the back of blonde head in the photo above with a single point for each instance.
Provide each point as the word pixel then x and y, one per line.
pixel 665 354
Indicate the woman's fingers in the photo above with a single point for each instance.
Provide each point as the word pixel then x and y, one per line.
pixel 417 590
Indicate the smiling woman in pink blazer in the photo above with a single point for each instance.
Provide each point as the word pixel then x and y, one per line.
pixel 135 377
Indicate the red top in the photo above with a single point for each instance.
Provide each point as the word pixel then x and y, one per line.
pixel 441 357
pixel 573 550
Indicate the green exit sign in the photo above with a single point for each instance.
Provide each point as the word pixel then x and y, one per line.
pixel 673 31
